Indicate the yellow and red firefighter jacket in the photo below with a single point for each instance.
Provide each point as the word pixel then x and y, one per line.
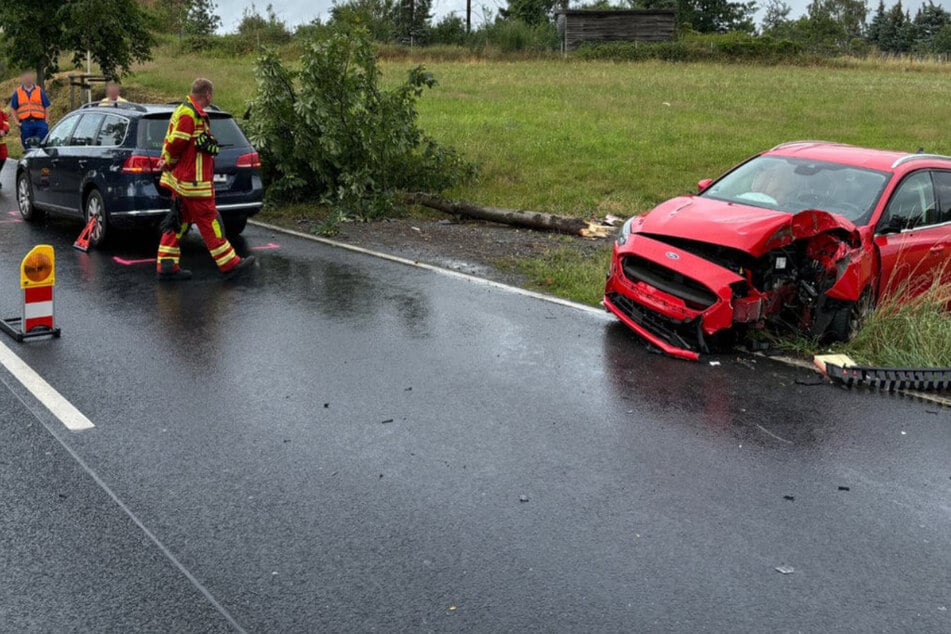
pixel 189 171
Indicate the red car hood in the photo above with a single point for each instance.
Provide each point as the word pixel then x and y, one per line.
pixel 742 227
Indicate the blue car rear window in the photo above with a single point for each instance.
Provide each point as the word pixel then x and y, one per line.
pixel 152 132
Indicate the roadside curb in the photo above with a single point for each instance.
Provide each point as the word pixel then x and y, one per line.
pixel 551 299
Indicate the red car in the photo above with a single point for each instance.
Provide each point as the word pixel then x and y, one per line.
pixel 807 234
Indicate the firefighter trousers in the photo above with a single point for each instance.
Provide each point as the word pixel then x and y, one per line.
pixel 202 213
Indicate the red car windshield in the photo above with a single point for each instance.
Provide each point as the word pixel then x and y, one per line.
pixel 793 184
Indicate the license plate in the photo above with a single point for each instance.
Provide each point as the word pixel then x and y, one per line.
pixel 221 178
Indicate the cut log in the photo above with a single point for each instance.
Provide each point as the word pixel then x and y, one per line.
pixel 516 217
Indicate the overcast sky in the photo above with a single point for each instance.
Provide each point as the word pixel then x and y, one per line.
pixel 296 12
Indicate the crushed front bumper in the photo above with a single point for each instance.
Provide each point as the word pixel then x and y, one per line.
pixel 674 299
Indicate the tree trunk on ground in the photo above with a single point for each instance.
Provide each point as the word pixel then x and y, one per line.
pixel 516 217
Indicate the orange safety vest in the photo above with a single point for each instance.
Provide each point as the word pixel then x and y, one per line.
pixel 30 105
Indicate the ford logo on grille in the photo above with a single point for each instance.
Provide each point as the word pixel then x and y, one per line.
pixel 672 255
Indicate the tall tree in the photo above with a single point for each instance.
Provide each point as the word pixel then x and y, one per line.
pixel 716 16
pixel 929 21
pixel 529 11
pixel 377 16
pixel 876 26
pixel 201 18
pixel 412 21
pixel 36 32
pixel 776 15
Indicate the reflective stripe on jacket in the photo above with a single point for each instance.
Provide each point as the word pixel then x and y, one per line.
pixel 191 172
pixel 30 105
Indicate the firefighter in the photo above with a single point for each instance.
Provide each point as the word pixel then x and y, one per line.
pixel 29 104
pixel 188 167
pixel 4 131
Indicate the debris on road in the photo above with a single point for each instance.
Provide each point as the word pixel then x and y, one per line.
pixel 387 421
pixel 714 363
pixel 845 488
pixel 842 369
pixel 523 498
pixel 786 570
pixel 791 498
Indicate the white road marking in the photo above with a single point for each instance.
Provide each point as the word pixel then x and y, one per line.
pixel 63 410
pixel 438 269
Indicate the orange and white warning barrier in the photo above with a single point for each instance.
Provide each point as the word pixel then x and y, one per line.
pixel 37 278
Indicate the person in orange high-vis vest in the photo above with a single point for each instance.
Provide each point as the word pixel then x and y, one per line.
pixel 29 104
pixel 188 168
pixel 4 131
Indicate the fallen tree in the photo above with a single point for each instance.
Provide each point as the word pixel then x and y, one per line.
pixel 516 217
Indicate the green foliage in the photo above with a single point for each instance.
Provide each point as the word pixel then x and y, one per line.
pixel 531 12
pixel 329 132
pixel 711 16
pixel 263 30
pixel 36 32
pixel 411 22
pixel 378 17
pixel 451 29
pixel 906 332
pixel 511 36
pixel 199 24
pixel 695 47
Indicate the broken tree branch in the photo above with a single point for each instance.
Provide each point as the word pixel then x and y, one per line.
pixel 530 219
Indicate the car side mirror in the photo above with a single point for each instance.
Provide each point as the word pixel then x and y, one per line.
pixel 703 185
pixel 895 224
pixel 33 141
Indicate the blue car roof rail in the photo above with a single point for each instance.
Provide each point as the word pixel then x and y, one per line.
pixel 125 105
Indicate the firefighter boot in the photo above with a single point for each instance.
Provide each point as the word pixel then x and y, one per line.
pixel 242 267
pixel 168 272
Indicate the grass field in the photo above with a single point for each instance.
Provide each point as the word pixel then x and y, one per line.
pixel 593 137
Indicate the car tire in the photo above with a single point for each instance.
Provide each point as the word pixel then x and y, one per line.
pixel 96 206
pixel 847 321
pixel 235 225
pixel 28 209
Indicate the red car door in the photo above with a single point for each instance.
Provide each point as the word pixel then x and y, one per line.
pixel 911 237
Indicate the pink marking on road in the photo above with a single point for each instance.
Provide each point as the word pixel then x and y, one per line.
pixel 10 222
pixel 13 213
pixel 125 262
pixel 266 247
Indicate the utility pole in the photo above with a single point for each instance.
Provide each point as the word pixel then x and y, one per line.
pixel 468 16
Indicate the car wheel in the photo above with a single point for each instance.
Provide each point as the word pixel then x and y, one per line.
pixel 96 208
pixel 25 199
pixel 848 320
pixel 235 225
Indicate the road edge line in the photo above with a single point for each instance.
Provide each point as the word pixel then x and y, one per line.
pixel 475 279
pixel 61 409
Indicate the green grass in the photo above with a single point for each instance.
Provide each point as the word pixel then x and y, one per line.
pixel 577 137
pixel 566 271
pixel 913 333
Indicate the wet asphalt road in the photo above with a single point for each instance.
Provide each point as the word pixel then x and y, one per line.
pixel 340 443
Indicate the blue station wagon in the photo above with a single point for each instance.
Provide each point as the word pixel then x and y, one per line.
pixel 101 161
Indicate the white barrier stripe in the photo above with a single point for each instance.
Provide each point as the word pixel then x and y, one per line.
pixel 38 309
pixel 66 412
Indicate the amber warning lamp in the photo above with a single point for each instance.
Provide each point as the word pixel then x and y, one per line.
pixel 37 278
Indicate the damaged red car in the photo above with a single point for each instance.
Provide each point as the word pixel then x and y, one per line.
pixel 808 235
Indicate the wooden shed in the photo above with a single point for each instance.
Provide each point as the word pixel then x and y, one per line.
pixel 596 25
